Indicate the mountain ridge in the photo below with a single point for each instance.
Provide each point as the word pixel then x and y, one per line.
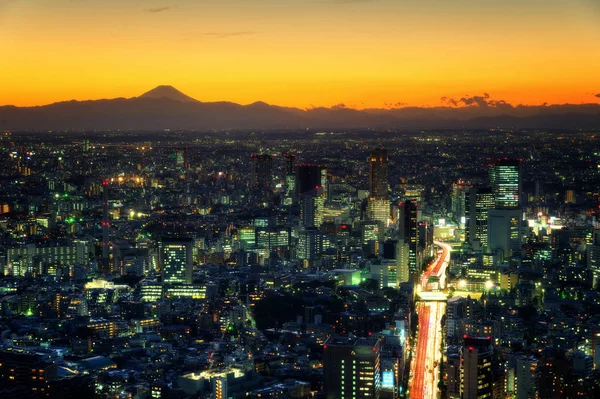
pixel 165 107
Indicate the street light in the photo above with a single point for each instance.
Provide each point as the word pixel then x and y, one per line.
pixel 489 285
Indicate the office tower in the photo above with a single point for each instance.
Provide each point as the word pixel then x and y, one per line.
pixel 311 244
pixel 398 251
pixel 179 159
pixel 476 379
pixel 311 208
pixel 409 233
pixel 351 368
pixel 385 272
pixel 378 174
pixel 290 175
pixel 378 210
pixel 263 176
pixel 504 231
pixel 176 259
pixel 378 207
pixel 527 378
pixel 505 179
pixel 478 200
pixel 310 177
pixel 593 259
pixel 105 222
pixel 459 203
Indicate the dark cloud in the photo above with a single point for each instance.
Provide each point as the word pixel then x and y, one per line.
pixel 159 9
pixel 339 106
pixel 597 95
pixel 483 101
pixel 228 34
pixel 395 105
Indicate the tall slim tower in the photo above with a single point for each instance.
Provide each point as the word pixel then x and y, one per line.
pixel 409 234
pixel 105 222
pixel 290 175
pixel 263 176
pixel 378 174
pixel 478 201
pixel 505 179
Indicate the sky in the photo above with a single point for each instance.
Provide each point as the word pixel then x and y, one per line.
pixel 302 53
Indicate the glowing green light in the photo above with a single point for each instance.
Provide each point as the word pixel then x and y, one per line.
pixel 29 312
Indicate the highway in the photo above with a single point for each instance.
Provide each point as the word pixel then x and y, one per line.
pixel 424 373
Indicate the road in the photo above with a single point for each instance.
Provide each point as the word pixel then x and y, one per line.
pixel 428 355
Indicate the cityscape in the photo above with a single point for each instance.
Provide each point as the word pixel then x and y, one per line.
pixel 300 199
pixel 268 265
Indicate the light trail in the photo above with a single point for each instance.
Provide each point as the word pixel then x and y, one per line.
pixel 427 356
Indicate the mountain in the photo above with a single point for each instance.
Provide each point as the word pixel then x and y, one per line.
pixel 168 92
pixel 164 107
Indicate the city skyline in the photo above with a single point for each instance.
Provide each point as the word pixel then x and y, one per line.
pixel 355 54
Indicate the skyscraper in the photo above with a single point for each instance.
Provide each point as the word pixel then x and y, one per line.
pixel 476 379
pixel 593 259
pixel 478 200
pixel 409 234
pixel 351 368
pixel 290 176
pixel 504 231
pixel 309 177
pixel 311 208
pixel 378 174
pixel 505 179
pixel 263 176
pixel 176 260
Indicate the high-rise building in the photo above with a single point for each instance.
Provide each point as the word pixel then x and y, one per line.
pixel 478 200
pixel 263 176
pixel 593 263
pixel 476 378
pixel 310 177
pixel 379 210
pixel 378 174
pixel 504 231
pixel 409 233
pixel 311 243
pixel 176 260
pixel 311 208
pixel 459 204
pixel 290 176
pixel 505 179
pixel 351 368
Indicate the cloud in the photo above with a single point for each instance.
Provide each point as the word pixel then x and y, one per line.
pixel 339 106
pixel 597 95
pixel 483 101
pixel 395 105
pixel 228 34
pixel 159 9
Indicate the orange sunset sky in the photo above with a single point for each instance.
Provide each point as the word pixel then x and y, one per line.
pixel 302 53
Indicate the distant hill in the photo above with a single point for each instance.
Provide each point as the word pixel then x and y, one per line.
pixel 164 107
